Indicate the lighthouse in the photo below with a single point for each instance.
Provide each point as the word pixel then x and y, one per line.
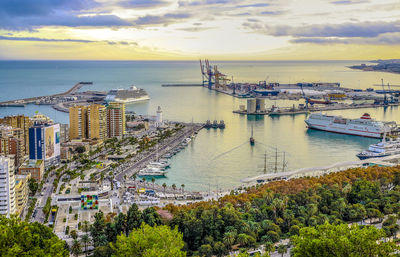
pixel 159 119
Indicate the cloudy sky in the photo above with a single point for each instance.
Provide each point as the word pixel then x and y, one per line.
pixel 217 29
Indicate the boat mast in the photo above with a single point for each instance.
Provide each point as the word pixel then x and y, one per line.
pixel 276 160
pixel 265 162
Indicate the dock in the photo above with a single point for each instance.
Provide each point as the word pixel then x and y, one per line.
pixel 23 101
pixel 388 161
pixel 333 107
pixel 181 85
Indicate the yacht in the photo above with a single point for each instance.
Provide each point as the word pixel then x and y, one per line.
pixel 152 172
pixel 381 149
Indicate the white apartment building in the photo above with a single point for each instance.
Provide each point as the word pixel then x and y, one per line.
pixel 7 187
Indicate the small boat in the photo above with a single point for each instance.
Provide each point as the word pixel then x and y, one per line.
pixel 152 172
pixel 252 141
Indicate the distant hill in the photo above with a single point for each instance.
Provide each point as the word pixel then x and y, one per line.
pixel 392 65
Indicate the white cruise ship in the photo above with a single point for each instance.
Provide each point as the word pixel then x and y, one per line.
pixel 381 149
pixel 133 94
pixel 364 126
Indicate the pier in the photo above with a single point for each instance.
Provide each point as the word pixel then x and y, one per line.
pixel 388 161
pixel 20 102
pixel 181 85
pixel 294 111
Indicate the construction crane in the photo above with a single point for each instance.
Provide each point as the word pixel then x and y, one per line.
pixel 212 76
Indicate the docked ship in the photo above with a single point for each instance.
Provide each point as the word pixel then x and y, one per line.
pixel 152 172
pixel 133 94
pixel 364 126
pixel 381 149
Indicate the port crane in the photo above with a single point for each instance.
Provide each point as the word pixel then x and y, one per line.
pixel 212 76
pixel 385 92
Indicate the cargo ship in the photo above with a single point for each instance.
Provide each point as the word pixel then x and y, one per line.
pixel 364 126
pixel 133 94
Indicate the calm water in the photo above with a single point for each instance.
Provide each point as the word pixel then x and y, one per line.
pixel 215 158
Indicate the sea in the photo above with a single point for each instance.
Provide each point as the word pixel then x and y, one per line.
pixel 216 159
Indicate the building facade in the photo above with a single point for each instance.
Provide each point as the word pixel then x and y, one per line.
pixel 33 168
pixel 116 119
pixel 97 122
pixel 21 192
pixel 45 143
pixel 22 122
pixel 7 187
pixel 78 123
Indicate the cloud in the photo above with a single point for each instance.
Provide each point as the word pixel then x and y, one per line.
pixel 196 29
pixel 45 39
pixel 18 8
pixel 387 39
pixel 204 2
pixel 347 30
pixel 349 2
pixel 253 5
pixel 142 3
pixel 28 23
pixel 38 39
pixel 165 19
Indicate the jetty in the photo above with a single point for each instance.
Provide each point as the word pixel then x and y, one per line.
pixel 29 100
pixel 181 85
pixel 388 161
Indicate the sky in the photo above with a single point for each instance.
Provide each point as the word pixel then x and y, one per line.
pixel 189 30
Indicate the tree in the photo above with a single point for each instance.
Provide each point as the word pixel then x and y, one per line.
pixel 164 186
pixel 76 248
pixel 150 242
pixel 85 241
pixel 219 249
pixel 97 230
pixel 183 187
pixel 174 187
pixel 20 238
pixel 74 234
pixel 33 186
pixel 133 218
pixel 152 181
pixel 206 250
pixel 342 240
pixel 269 247
pixel 80 149
pixel 282 249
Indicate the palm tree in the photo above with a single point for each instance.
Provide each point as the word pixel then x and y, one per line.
pixel 183 186
pixel 85 240
pixel 229 239
pixel 153 180
pixel 282 249
pixel 164 186
pixel 76 248
pixel 85 226
pixel 134 178
pixel 174 187
pixel 74 234
pixel 269 247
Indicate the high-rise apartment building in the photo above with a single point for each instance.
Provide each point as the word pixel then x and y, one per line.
pixel 45 143
pixel 78 128
pixel 21 192
pixel 22 122
pixel 116 119
pixel 12 143
pixel 64 133
pixel 7 187
pixel 97 122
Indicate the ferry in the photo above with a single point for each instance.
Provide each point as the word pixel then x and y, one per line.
pixel 381 149
pixel 364 126
pixel 133 94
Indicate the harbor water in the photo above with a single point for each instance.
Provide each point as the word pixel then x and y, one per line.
pixel 215 158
